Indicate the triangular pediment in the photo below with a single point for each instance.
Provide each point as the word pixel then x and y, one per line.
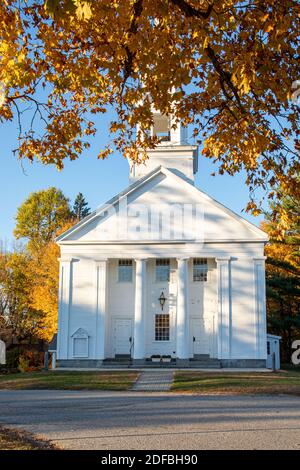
pixel 162 206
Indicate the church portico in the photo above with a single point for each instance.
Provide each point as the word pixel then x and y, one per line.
pixel 178 307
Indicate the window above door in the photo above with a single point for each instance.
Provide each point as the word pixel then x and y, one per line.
pixel 200 269
pixel 162 272
pixel 125 270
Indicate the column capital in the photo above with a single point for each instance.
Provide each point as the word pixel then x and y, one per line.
pixel 100 260
pixel 141 259
pixel 260 258
pixel 183 258
pixel 224 259
pixel 67 259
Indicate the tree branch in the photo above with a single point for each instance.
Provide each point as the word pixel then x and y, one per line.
pixel 191 11
pixel 128 62
pixel 225 77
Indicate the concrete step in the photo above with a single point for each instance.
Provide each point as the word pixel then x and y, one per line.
pixel 211 364
pixel 204 366
pixel 199 357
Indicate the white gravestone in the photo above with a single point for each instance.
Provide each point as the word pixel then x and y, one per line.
pixel 2 352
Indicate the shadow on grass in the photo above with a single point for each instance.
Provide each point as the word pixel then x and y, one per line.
pixel 60 380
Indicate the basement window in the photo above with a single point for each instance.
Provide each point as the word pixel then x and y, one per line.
pixel 200 270
pixel 125 270
pixel 162 327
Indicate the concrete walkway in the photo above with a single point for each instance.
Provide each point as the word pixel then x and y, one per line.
pixel 154 381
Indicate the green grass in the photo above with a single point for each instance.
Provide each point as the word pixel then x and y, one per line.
pixel 60 380
pixel 12 439
pixel 238 382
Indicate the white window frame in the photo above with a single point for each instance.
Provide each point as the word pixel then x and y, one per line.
pixel 125 263
pixel 166 315
pixel 200 270
pixel 162 263
pixel 82 335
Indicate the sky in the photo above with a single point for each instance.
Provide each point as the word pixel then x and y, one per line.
pixel 98 180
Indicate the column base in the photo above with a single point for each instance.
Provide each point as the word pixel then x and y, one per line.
pixel 182 362
pixel 138 362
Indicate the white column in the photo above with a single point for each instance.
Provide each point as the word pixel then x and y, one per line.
pixel 182 327
pixel 64 296
pixel 139 309
pixel 260 307
pixel 101 295
pixel 224 308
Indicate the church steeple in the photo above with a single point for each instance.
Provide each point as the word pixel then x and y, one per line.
pixel 173 151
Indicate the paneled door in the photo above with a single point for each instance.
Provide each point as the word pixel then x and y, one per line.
pixel 122 335
pixel 199 336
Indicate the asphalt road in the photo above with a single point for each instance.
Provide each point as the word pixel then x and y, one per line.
pixel 152 421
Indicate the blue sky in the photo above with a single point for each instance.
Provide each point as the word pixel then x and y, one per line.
pixel 97 180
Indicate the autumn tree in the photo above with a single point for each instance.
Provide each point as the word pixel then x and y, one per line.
pixel 227 68
pixel 44 268
pixel 283 279
pixel 41 216
pixel 80 207
pixel 16 311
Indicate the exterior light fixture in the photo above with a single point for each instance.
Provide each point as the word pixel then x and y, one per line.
pixel 162 299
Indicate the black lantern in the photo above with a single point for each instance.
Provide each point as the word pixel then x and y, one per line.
pixel 162 300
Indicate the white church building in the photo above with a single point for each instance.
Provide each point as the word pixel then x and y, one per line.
pixel 163 270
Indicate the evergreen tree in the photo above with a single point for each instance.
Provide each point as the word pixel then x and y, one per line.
pixel 80 207
pixel 283 280
pixel 283 297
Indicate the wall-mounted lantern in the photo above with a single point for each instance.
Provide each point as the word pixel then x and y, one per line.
pixel 162 299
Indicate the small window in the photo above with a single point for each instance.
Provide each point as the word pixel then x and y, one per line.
pixel 162 270
pixel 268 348
pixel 162 327
pixel 200 270
pixel 125 270
pixel 161 127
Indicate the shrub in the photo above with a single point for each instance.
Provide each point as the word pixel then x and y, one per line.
pixel 23 364
pixel 30 361
pixel 12 359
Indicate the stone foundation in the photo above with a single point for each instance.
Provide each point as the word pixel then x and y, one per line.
pixel 80 363
pixel 243 363
pixel 180 363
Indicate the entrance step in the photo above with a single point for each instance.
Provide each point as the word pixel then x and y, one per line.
pixel 209 364
pixel 154 381
pixel 200 357
pixel 204 363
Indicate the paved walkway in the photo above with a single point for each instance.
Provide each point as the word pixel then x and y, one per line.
pixel 153 420
pixel 154 381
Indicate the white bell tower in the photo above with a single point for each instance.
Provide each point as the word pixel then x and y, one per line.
pixel 173 151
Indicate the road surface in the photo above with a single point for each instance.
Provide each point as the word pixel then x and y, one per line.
pixel 153 421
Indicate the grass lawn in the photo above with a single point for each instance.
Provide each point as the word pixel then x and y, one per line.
pixel 60 380
pixel 11 439
pixel 241 383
